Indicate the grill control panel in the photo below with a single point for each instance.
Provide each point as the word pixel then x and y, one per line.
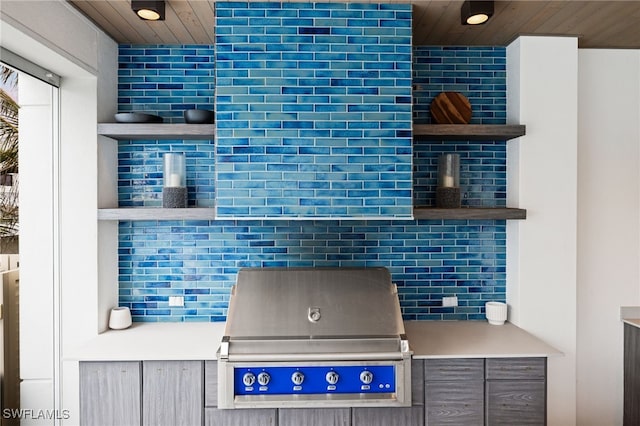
pixel 288 380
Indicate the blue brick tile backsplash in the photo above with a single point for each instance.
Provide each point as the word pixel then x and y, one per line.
pixel 483 177
pixel 199 261
pixel 165 79
pixel 284 141
pixel 479 73
pixel 315 99
pixel 140 171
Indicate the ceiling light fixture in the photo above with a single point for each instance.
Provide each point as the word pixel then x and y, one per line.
pixel 476 12
pixel 149 10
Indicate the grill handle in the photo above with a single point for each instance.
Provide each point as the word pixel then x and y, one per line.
pixel 350 356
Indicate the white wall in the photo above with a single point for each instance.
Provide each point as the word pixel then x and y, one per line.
pixel 608 225
pixel 56 36
pixel 38 101
pixel 55 27
pixel 542 75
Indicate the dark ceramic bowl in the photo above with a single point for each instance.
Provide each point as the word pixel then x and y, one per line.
pixel 137 117
pixel 199 116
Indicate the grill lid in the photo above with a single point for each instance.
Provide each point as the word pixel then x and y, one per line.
pixel 314 303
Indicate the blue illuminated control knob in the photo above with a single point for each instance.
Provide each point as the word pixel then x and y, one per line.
pixel 264 378
pixel 366 377
pixel 297 378
pixel 332 377
pixel 248 379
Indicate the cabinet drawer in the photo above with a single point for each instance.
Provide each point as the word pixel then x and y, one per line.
pixel 110 393
pixel 516 402
pixel 455 403
pixel 249 417
pixel 210 384
pixel 454 369
pixel 516 368
pixel 314 417
pixel 172 393
pixel 386 416
pixel 417 382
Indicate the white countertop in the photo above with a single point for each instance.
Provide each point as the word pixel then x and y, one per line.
pixel 632 321
pixel 155 341
pixel 473 339
pixel 630 315
pixel 200 341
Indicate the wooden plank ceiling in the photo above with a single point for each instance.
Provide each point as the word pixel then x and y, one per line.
pixel 597 24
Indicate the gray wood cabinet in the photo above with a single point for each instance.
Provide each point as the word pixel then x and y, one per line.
pixel 417 382
pixel 244 417
pixel 314 416
pixel 516 368
pixel 210 384
pixel 518 402
pixel 516 391
pixel 383 416
pixel 492 392
pixel 454 392
pixel 631 415
pixel 172 393
pixel 110 394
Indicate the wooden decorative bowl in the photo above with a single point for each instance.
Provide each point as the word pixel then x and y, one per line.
pixel 451 108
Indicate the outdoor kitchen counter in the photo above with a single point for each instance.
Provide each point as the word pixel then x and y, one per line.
pixel 632 321
pixel 158 341
pixel 473 339
pixel 200 341
pixel 630 315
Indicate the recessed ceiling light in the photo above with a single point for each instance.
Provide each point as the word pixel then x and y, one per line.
pixel 149 10
pixel 475 12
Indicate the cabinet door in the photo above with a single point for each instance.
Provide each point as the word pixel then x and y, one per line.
pixel 417 382
pixel 516 402
pixel 110 393
pixel 516 368
pixel 631 375
pixel 516 391
pixel 383 416
pixel 454 391
pixel 454 369
pixel 210 384
pixel 244 417
pixel 172 393
pixel 458 402
pixel 314 417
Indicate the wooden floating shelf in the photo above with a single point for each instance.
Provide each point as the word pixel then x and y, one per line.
pixel 470 213
pixel 475 132
pixel 197 213
pixel 156 131
pixel 157 213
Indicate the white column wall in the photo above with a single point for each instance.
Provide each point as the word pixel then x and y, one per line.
pixel 55 27
pixel 542 75
pixel 58 37
pixel 608 225
pixel 37 103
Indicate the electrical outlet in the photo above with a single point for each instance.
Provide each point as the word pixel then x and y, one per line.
pixel 176 301
pixel 450 301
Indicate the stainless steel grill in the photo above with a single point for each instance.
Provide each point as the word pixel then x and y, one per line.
pixel 323 337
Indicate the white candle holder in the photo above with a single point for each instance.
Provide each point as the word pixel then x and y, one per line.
pixel 174 190
pixel 496 312
pixel 448 190
pixel 120 318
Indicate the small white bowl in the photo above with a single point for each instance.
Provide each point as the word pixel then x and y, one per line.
pixel 120 318
pixel 496 312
